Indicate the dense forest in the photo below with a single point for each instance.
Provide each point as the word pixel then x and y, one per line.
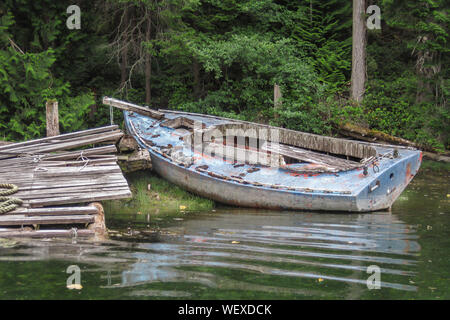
pixel 224 57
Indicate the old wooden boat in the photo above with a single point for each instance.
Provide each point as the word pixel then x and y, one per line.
pixel 256 165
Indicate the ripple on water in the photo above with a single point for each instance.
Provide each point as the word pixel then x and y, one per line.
pixel 284 246
pixel 278 253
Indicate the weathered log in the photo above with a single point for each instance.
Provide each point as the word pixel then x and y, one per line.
pixel 436 157
pixel 138 160
pixel 370 135
pixel 127 143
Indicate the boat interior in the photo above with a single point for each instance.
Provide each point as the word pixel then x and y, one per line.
pixel 252 143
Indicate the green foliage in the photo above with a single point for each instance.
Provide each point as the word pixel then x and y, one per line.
pixel 389 107
pixel 27 82
pixel 224 57
pixel 240 61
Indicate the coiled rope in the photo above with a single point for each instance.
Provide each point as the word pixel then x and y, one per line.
pixel 8 204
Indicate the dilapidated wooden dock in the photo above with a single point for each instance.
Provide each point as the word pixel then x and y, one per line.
pixel 58 185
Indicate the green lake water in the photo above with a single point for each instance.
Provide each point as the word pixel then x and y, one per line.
pixel 249 254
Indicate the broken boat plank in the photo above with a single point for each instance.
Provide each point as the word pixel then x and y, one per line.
pixel 311 156
pixel 242 155
pixel 18 220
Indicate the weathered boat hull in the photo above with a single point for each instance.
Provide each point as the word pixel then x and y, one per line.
pixel 257 197
pixel 374 191
pixel 246 195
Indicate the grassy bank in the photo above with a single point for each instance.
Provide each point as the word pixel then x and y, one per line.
pixel 154 195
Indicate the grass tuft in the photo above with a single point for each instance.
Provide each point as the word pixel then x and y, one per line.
pixel 163 197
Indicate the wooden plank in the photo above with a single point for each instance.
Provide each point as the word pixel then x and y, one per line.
pixel 63 145
pixel 19 220
pixel 46 193
pixel 82 181
pixel 60 182
pixel 312 157
pixel 242 155
pixel 55 164
pixel 80 198
pixel 123 105
pixel 56 211
pixel 60 137
pixel 86 152
pixel 311 141
pixel 62 172
pixel 46 233
pixel 99 152
pixel 74 171
pixel 112 160
pixel 38 150
pixel 60 178
pixel 52 118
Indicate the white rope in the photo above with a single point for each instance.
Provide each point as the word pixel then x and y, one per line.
pixel 37 158
pixel 83 158
pixel 40 169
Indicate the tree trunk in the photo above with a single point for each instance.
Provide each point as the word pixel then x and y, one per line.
pixel 93 108
pixel 124 53
pixel 148 63
pixel 358 51
pixel 196 73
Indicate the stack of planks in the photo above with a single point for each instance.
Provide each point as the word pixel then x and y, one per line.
pixel 54 181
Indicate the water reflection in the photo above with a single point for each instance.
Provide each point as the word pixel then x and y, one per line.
pixel 283 253
pixel 280 244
